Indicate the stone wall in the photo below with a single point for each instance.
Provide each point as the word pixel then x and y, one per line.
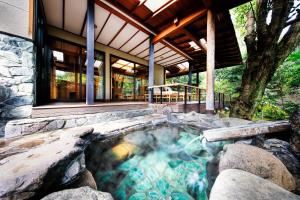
pixel 17 66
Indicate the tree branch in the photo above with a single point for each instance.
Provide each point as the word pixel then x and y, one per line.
pixel 280 13
pixel 297 19
pixel 288 43
pixel 262 14
pixel 250 38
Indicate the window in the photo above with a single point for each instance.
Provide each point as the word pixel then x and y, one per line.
pixel 129 80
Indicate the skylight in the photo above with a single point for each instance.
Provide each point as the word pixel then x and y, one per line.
pixel 195 46
pixel 59 56
pixel 154 5
pixel 183 66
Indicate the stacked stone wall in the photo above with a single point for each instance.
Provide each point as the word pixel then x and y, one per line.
pixel 17 71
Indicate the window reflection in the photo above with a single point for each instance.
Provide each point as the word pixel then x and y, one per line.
pixel 68 72
pixel 129 80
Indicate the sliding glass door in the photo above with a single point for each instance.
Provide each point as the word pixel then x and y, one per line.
pixel 129 80
pixel 68 73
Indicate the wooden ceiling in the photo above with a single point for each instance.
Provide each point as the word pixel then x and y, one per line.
pixel 227 49
pixel 126 25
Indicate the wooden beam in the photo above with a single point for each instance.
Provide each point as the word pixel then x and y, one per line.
pixel 119 31
pixel 246 131
pixel 129 19
pixel 31 22
pixel 129 39
pixel 103 27
pixel 182 23
pixel 90 52
pixel 137 45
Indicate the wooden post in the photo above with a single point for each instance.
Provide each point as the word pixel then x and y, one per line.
pixel 80 74
pixel 219 100
pixel 90 53
pixel 161 93
pixel 210 62
pixel 151 69
pixel 199 100
pixel 185 98
pixel 197 79
pixel 190 78
pixel 223 100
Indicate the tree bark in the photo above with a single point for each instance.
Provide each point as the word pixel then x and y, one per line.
pixel 265 51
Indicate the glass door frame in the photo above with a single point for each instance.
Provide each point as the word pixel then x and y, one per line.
pixel 134 77
pixel 80 57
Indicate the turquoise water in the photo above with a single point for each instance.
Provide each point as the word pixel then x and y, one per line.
pixel 164 162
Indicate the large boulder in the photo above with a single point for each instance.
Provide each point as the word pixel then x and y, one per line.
pixel 85 193
pixel 234 184
pixel 85 179
pixel 256 161
pixel 283 151
pixel 34 165
pixel 295 137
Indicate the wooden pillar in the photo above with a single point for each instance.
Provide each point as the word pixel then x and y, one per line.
pixel 80 73
pixel 190 73
pixel 151 69
pixel 90 53
pixel 210 66
pixel 197 79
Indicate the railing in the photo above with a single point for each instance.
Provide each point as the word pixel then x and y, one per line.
pixel 185 93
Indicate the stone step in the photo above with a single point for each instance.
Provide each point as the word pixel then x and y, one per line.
pixel 17 128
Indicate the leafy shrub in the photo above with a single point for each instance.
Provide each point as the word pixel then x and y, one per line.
pixel 273 112
pixel 290 107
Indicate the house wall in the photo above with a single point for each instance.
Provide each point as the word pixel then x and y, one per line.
pixel 158 69
pixel 16 17
pixel 17 66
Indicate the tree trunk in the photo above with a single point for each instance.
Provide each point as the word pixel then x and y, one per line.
pixel 255 79
pixel 266 51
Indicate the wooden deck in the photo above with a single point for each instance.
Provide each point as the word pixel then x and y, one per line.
pixel 78 108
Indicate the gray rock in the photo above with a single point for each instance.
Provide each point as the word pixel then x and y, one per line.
pixel 256 161
pixel 85 179
pixel 295 138
pixel 33 165
pixel 233 184
pixel 283 151
pixel 20 101
pixel 85 193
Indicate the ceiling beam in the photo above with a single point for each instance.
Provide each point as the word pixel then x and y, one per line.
pixel 137 6
pixel 182 23
pixel 127 17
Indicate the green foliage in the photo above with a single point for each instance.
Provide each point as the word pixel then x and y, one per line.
pixel 270 112
pixel 228 80
pixel 184 79
pixel 240 16
pixel 282 93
